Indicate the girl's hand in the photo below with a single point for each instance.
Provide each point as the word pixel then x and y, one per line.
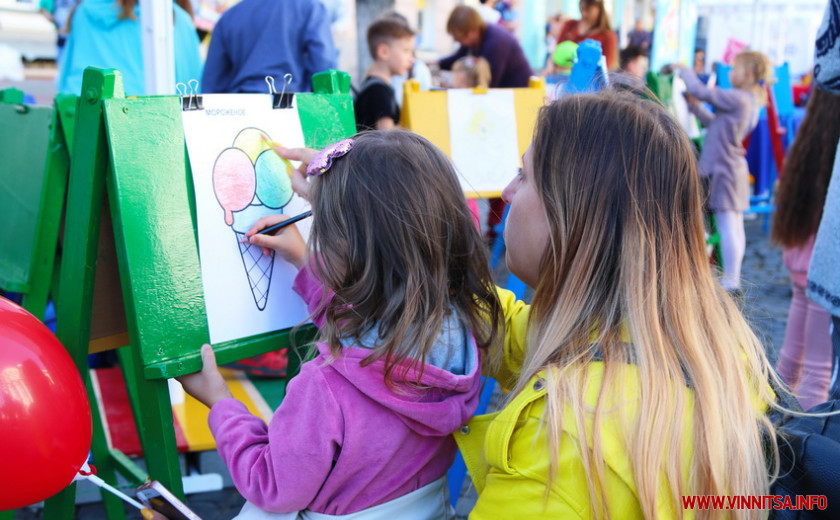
pixel 208 386
pixel 287 242
pixel 691 100
pixel 305 156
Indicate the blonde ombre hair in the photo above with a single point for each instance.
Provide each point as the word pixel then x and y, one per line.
pixel 625 279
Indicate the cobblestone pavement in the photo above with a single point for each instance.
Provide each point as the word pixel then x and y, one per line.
pixel 767 296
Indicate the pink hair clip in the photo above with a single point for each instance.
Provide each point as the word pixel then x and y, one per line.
pixel 322 162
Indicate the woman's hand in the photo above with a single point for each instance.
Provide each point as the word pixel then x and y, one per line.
pixel 287 242
pixel 305 156
pixel 208 385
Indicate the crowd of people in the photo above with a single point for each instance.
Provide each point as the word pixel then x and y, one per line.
pixel 634 380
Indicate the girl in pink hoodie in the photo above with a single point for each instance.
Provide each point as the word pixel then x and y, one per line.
pixel 395 276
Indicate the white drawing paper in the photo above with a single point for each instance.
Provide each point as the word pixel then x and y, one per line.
pixel 238 178
pixel 484 145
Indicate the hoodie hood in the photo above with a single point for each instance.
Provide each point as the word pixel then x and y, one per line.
pixel 447 394
pixel 105 13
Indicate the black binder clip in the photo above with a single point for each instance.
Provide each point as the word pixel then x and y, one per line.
pixel 190 99
pixel 283 99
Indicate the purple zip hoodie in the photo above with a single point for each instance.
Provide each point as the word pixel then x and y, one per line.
pixel 341 441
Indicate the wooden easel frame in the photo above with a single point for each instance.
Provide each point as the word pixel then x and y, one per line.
pixel 426 113
pixel 134 157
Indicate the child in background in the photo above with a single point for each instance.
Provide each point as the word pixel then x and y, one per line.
pixel 559 67
pixel 806 355
pixel 508 17
pixel 397 278
pixel 634 62
pixel 419 71
pixel 723 163
pixel 391 44
pixel 471 72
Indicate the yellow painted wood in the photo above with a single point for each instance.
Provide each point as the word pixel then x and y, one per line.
pixel 192 415
pixel 426 112
pixel 108 343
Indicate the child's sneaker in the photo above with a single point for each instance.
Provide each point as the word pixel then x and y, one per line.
pixel 270 364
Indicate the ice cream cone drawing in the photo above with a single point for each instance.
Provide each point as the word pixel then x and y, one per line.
pixel 251 181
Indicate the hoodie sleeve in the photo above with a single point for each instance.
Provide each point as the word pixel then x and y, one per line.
pixel 280 467
pixel 725 99
pixel 314 293
pixel 516 314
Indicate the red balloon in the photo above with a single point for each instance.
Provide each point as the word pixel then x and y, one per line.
pixel 45 423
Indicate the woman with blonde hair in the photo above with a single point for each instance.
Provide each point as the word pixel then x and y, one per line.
pixel 636 383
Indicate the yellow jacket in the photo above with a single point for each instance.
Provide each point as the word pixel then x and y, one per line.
pixel 507 453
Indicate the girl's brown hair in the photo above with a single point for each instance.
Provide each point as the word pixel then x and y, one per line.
pixel 807 169
pixel 625 281
pixel 394 238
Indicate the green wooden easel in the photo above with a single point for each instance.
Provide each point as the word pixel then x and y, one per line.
pixel 33 181
pixel 133 156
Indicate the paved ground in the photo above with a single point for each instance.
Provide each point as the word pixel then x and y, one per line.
pixel 766 303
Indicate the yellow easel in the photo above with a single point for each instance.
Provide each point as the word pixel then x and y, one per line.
pixel 426 113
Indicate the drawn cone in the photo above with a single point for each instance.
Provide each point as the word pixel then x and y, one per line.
pixel 251 181
pixel 258 267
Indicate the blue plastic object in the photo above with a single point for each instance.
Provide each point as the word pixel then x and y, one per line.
pixel 783 92
pixel 588 72
pixel 723 75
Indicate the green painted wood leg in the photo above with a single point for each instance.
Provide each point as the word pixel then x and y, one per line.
pixel 128 469
pixel 152 409
pixel 7 515
pixel 49 219
pixel 62 505
pixel 85 192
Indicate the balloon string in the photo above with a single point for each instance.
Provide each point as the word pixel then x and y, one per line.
pixel 101 483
